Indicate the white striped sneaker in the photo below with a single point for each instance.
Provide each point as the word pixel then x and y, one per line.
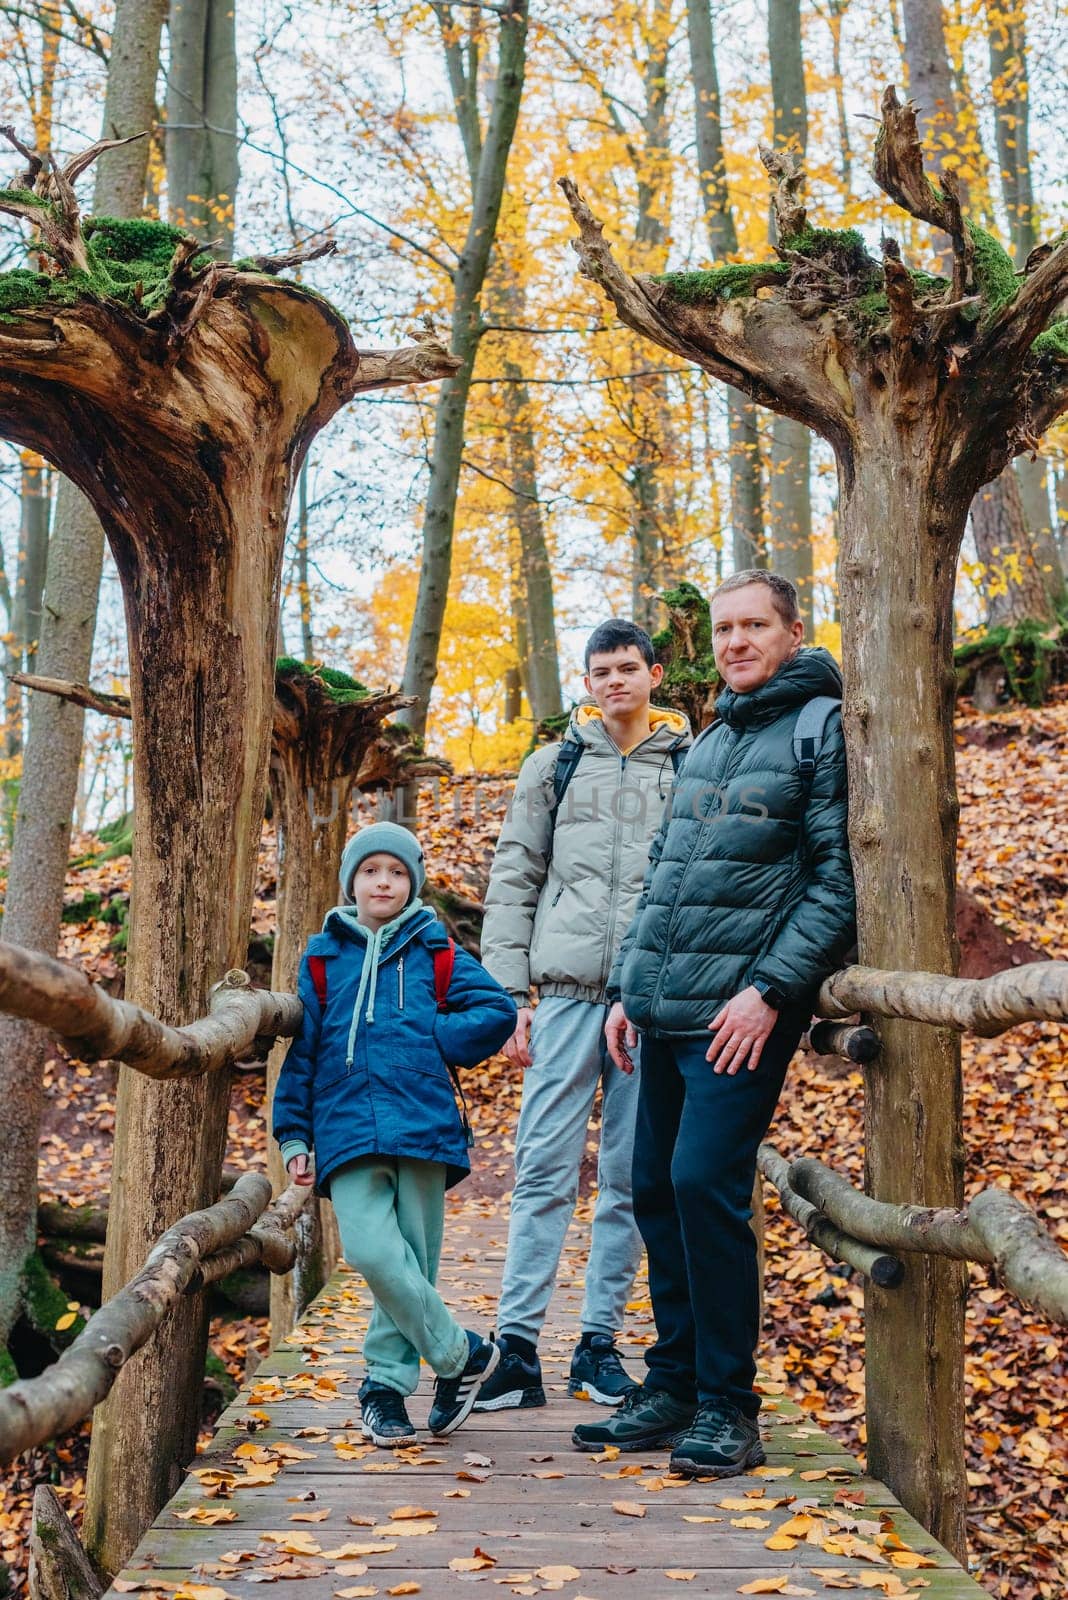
pixel 454 1397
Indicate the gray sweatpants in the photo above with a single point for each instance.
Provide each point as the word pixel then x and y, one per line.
pixel 569 1060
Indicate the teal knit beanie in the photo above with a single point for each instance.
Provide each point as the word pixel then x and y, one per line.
pixel 382 838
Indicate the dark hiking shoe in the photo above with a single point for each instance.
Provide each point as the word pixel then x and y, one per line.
pixel 598 1374
pixel 385 1417
pixel 646 1418
pixel 516 1384
pixel 722 1443
pixel 454 1397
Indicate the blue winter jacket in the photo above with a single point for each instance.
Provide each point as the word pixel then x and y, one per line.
pixel 394 1096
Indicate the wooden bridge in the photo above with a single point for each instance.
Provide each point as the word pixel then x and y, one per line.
pixel 290 1494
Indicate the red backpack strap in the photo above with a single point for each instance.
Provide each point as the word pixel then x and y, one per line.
pixel 444 961
pixel 317 973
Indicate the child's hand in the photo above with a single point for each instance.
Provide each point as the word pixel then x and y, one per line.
pixel 299 1169
pixel 517 1048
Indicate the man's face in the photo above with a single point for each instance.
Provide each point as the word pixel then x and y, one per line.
pixel 750 640
pixel 619 680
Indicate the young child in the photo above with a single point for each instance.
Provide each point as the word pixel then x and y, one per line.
pixel 366 1084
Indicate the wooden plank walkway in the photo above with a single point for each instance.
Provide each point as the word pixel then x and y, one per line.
pixel 303 1503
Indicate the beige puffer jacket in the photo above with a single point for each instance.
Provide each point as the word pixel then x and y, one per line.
pixel 559 901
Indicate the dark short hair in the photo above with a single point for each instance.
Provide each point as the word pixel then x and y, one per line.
pixel 618 634
pixel 783 593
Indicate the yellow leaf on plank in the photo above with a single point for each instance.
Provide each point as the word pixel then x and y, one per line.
pixel 910 1560
pixel 773 1472
pixel 547 1474
pixel 67 1320
pixel 750 1522
pixel 292 1452
pixel 350 1569
pixel 679 1574
pixel 349 1552
pixel 313 1433
pixel 202 1591
pixel 209 1516
pixel 609 1453
pixel 471 1563
pixel 295 1544
pixel 380 1466
pixel 404 1588
pixel 776 1585
pixel 779 1541
pixel 702 1519
pixel 311 1516
pixel 835 1577
pixel 798 1527
pixel 361 1591
pixel 628 1508
pixel 253 1452
pixel 558 1574
pixel 410 1513
pixel 405 1530
pixel 813 1475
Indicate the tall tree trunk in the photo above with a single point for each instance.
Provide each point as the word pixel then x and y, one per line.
pixel 1033 479
pixel 202 167
pixel 198 825
pixel 1012 582
pixel 903 816
pixel 1007 40
pixel 931 87
pixel 790 456
pixel 746 500
pixel 536 637
pixel 488 161
pixel 34 900
pixel 307 634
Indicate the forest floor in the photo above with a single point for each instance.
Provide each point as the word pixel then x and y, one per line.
pixel 1012 776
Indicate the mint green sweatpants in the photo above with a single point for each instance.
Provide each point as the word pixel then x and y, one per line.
pixel 391 1216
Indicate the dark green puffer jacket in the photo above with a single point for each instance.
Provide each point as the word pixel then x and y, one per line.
pixel 749 876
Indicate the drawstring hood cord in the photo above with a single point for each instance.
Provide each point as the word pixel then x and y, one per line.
pixel 376 942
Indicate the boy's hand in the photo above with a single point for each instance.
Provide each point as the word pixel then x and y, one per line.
pixel 621 1036
pixel 740 1032
pixel 518 1047
pixel 299 1169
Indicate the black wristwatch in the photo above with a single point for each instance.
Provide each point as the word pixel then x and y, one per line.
pixel 769 994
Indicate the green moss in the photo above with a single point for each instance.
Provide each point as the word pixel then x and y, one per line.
pixel 8 1371
pixel 995 276
pixel 732 282
pixel 1053 342
pixel 336 686
pixel 1025 650
pixel 46 1303
pixel 24 197
pixel 215 1369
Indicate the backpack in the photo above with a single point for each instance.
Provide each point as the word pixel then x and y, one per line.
pixel 808 733
pixel 444 961
pixel 568 758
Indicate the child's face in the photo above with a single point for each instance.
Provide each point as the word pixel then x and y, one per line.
pixel 380 888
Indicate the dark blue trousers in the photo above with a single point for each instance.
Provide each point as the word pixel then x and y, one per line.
pixel 695 1151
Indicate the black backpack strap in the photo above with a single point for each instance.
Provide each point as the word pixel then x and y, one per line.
pixel 567 759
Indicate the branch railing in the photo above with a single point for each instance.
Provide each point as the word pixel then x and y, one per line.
pixel 239 1230
pixel 996 1229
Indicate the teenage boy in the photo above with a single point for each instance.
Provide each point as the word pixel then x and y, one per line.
pixel 748 905
pixel 565 881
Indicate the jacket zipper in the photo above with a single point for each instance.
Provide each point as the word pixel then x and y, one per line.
pixel 727 773
pixel 613 881
pixel 400 984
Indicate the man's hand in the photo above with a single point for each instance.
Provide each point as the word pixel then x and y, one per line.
pixel 740 1032
pixel 621 1037
pixel 518 1047
pixel 299 1169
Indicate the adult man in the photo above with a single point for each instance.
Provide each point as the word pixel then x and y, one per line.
pixel 747 905
pixel 566 878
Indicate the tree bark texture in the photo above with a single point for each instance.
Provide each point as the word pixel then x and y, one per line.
pixel 59 1567
pixel 1012 581
pixel 871 1261
pixel 920 409
pixel 487 192
pixel 1007 39
pixel 1035 499
pixel 318 748
pixel 746 500
pixel 790 455
pixel 41 845
pixel 201 129
pixel 987 1006
pixel 96 1026
pixel 235 372
pixel 995 1230
pixel 35 1409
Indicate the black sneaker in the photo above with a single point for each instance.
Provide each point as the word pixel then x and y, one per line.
pixel 723 1443
pixel 515 1384
pixel 385 1417
pixel 646 1418
pixel 454 1397
pixel 598 1374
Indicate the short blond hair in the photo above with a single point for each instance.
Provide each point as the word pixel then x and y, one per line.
pixel 783 593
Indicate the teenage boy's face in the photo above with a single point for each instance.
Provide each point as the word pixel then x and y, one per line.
pixel 381 888
pixel 750 640
pixel 620 681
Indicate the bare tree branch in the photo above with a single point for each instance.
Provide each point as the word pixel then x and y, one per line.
pixel 987 1006
pixel 882 1268
pixel 79 694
